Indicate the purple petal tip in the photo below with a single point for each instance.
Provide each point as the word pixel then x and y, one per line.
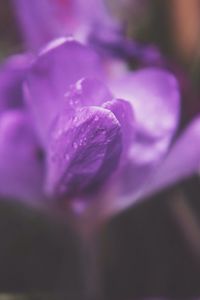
pixel 84 153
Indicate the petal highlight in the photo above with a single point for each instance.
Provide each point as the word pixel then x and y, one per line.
pixel 154 96
pixel 60 64
pixel 182 161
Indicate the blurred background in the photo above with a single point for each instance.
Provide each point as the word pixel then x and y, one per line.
pixel 151 250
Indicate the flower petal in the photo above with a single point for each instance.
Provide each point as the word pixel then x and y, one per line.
pixel 84 152
pixel 182 161
pixel 124 113
pixel 154 96
pixel 86 92
pixel 12 74
pixel 43 21
pixel 21 169
pixel 60 64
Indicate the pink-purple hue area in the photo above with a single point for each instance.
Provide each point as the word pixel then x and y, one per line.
pixel 71 129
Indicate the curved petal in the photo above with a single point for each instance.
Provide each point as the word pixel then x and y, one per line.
pixel 12 74
pixel 21 169
pixel 60 64
pixel 154 95
pixel 83 152
pixel 182 161
pixel 124 113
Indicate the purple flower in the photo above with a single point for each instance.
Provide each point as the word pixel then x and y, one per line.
pixel 80 135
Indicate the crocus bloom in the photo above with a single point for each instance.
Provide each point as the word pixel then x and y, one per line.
pixel 77 133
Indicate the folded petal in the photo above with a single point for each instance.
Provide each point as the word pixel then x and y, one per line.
pixel 62 63
pixel 182 161
pixel 12 74
pixel 83 152
pixel 21 167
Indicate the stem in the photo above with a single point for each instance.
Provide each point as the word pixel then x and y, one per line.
pixel 88 228
pixel 88 223
pixel 91 268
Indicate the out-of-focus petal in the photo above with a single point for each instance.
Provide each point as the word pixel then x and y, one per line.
pixel 21 168
pixel 102 25
pixel 84 152
pixel 42 21
pixel 182 161
pixel 154 96
pixel 60 64
pixel 12 74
